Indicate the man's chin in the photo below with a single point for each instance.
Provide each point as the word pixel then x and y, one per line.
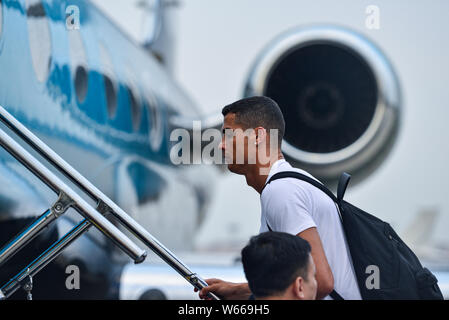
pixel 235 168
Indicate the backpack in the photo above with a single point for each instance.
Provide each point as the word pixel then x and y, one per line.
pixel 385 267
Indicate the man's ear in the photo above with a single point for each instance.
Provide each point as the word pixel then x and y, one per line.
pixel 298 288
pixel 261 134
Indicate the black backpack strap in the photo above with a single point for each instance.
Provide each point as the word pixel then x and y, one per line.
pixel 334 295
pixel 300 176
pixel 343 183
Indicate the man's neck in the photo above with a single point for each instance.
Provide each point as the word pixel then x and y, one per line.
pixel 277 297
pixel 258 174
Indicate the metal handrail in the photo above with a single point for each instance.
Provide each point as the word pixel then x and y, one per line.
pixel 104 204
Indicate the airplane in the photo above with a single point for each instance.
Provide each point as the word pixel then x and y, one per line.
pixel 107 105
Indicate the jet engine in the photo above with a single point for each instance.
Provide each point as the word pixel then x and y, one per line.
pixel 339 95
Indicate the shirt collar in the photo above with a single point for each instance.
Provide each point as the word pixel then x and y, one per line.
pixel 274 168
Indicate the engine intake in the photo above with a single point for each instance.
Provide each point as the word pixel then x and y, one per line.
pixel 339 96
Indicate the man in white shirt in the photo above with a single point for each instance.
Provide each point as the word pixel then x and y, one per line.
pixel 293 206
pixel 253 129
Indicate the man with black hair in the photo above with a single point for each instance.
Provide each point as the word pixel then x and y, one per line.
pixel 253 130
pixel 279 266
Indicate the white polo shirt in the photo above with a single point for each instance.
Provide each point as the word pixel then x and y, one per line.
pixel 291 205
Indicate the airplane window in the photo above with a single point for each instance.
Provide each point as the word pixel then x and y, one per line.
pixel 135 109
pixel 109 83
pixel 155 124
pixel 39 38
pixel 78 64
pixel 111 96
pixel 81 78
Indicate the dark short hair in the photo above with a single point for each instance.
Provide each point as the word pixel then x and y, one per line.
pixel 273 260
pixel 256 112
